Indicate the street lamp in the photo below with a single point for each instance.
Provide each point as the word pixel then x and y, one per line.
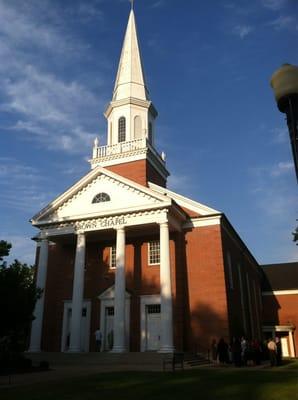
pixel 284 83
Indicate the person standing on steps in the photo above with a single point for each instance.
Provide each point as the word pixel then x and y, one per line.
pixel 272 352
pixel 98 339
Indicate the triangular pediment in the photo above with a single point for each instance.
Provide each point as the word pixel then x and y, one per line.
pixel 79 201
pixel 109 294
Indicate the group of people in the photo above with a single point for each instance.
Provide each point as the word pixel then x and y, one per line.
pixel 243 352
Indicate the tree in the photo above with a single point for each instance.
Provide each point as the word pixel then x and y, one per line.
pixel 4 249
pixel 18 295
pixel 295 234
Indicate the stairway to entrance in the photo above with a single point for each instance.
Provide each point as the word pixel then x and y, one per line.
pixel 138 361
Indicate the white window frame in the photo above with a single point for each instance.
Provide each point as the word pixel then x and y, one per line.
pixel 112 260
pixel 149 252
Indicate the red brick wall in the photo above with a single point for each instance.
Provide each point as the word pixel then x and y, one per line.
pixel 58 288
pixel 207 308
pixel 140 171
pixel 203 307
pixel 281 310
pixel 252 302
pixel 141 279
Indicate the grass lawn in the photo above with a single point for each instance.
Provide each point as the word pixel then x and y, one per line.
pixel 265 384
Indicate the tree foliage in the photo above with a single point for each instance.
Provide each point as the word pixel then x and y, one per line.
pixel 295 234
pixel 18 295
pixel 4 249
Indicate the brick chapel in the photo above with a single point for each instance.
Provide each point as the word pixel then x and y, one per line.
pixel 150 268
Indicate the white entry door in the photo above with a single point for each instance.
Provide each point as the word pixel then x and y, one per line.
pixel 284 347
pixel 108 336
pixel 152 327
pixel 85 326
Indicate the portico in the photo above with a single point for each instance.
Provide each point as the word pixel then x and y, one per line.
pixel 159 219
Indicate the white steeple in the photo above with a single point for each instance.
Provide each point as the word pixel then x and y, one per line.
pixel 130 114
pixel 130 80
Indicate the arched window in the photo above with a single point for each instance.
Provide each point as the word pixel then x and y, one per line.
pixel 150 132
pixel 101 197
pixel 138 127
pixel 121 129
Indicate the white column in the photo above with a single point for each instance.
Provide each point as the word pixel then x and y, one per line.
pixel 36 328
pixel 166 339
pixel 119 301
pixel 77 295
pixel 291 343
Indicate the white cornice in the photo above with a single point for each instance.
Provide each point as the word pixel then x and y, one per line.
pixel 280 292
pixel 131 101
pixel 107 213
pixel 185 201
pixel 106 223
pixel 135 155
pixel 198 222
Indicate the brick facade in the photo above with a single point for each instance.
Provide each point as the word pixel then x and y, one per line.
pixel 204 307
pixel 140 171
pixel 281 310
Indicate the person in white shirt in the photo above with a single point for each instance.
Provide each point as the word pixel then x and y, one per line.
pixel 98 339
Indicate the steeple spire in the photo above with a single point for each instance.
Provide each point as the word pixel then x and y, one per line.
pixel 130 80
pixel 131 120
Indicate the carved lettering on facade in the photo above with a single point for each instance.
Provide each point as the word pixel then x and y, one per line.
pixel 110 222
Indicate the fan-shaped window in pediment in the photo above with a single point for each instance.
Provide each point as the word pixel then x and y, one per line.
pixel 101 197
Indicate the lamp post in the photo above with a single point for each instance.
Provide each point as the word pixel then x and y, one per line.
pixel 284 83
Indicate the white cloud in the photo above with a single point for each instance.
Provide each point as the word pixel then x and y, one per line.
pixel 158 4
pixel 280 135
pixel 23 248
pixel 274 4
pixel 271 192
pixel 242 30
pixel 21 187
pixel 282 168
pixel 284 22
pixel 52 110
pixel 179 183
pixel 23 26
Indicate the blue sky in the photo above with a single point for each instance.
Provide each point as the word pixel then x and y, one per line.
pixel 208 66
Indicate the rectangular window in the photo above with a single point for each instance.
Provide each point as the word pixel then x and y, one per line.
pixel 109 311
pixel 113 257
pixel 154 252
pixel 153 309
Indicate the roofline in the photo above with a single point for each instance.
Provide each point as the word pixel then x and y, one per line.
pixel 225 220
pixel 278 264
pixel 84 180
pixel 191 204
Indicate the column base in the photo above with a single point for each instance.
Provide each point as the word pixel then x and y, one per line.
pixel 74 350
pixel 118 349
pixel 34 350
pixel 166 349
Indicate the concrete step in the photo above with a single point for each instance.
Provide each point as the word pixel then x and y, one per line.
pixel 97 358
pixel 194 360
pixel 137 359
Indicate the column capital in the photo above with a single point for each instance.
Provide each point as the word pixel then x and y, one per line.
pixel 80 232
pixel 43 236
pixel 164 224
pixel 120 228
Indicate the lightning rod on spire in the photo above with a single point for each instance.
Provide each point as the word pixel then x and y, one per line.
pixel 132 3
